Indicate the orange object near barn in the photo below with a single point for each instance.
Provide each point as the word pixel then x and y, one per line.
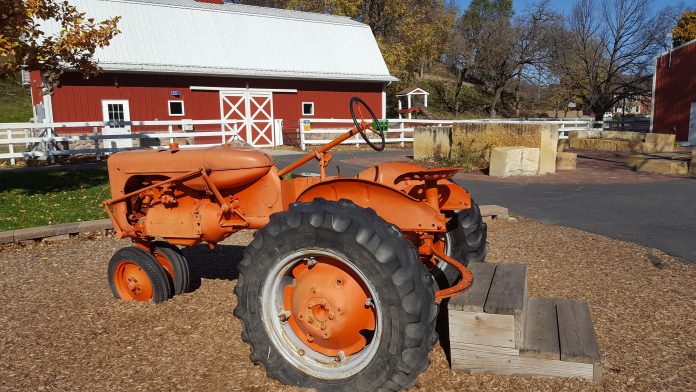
pixel 343 273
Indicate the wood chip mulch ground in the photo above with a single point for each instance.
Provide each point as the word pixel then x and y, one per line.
pixel 61 329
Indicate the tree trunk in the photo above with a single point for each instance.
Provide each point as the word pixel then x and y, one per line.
pixel 494 102
pixel 517 95
pixel 458 90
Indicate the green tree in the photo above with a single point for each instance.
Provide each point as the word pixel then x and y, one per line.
pixel 24 46
pixel 480 28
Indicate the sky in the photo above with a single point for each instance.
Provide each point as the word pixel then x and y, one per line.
pixel 565 6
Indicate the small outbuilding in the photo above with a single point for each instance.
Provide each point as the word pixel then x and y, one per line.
pixel 674 93
pixel 205 60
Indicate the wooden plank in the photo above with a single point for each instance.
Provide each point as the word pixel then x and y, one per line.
pixel 484 362
pixel 465 347
pixel 508 290
pixel 541 329
pixel 474 298
pixel 508 295
pixel 578 342
pixel 481 328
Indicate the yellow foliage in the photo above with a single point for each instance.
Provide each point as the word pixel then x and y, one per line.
pixel 23 45
pixel 685 30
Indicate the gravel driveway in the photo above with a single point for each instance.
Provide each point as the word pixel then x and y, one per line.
pixel 61 329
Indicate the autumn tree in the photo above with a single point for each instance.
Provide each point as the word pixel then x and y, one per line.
pixel 24 46
pixel 605 52
pixel 685 30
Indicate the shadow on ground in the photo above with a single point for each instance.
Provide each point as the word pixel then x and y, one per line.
pixel 218 263
pixel 45 181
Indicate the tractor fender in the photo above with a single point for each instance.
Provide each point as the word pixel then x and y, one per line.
pixel 408 213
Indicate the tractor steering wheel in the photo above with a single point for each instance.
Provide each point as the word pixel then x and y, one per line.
pixel 362 126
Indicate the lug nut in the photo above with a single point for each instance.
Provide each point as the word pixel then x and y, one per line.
pixel 310 338
pixel 323 326
pixel 340 357
pixel 331 316
pixel 310 319
pixel 284 316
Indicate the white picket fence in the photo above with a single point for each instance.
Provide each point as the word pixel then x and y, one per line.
pixel 19 140
pixel 21 136
pixel 399 128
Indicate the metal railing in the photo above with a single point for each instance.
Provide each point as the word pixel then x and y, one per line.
pixel 38 140
pixel 400 128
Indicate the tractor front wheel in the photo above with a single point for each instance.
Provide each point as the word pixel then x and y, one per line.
pixel 174 263
pixel 333 297
pixel 135 275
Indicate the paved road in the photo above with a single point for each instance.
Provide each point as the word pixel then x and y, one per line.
pixel 660 214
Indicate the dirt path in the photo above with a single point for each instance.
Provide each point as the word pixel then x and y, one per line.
pixel 60 328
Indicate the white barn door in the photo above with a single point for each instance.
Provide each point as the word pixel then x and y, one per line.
pixel 253 112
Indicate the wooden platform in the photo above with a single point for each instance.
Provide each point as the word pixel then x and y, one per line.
pixel 496 328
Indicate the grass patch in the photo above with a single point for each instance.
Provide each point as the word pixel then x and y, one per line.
pixel 15 102
pixel 42 197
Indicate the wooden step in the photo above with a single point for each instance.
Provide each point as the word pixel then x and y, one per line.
pixel 495 300
pixel 561 329
pixel 495 328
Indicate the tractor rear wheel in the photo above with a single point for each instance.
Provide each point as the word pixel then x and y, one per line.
pixel 333 297
pixel 465 241
pixel 135 275
pixel 174 263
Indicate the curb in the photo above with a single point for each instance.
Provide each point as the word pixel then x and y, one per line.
pixel 60 231
pixel 64 230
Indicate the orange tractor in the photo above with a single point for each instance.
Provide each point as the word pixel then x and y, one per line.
pixel 338 289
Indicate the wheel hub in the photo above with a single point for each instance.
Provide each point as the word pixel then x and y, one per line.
pixel 329 308
pixel 132 282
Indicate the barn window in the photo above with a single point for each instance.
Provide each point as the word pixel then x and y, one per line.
pixel 307 108
pixel 176 108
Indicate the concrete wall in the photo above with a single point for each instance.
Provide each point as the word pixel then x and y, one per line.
pixel 431 143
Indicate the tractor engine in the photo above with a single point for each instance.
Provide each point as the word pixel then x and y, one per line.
pixel 185 196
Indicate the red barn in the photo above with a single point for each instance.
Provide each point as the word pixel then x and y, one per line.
pixel 199 60
pixel 674 93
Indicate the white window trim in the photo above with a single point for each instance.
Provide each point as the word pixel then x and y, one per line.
pixel 183 107
pixel 307 114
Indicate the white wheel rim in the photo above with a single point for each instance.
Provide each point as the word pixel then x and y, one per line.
pixel 285 340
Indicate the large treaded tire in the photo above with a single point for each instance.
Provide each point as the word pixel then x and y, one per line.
pixel 467 236
pixel 181 276
pixel 388 261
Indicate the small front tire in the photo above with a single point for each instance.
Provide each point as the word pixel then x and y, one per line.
pixel 174 263
pixel 135 275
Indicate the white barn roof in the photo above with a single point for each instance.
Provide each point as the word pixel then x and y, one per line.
pixel 190 37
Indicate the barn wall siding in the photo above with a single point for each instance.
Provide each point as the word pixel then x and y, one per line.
pixel 80 100
pixel 675 90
